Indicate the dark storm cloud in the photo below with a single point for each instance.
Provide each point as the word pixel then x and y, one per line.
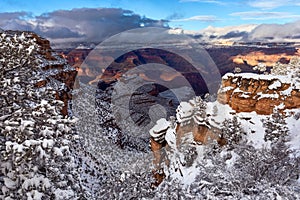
pixel 85 24
pixel 95 24
pixel 53 33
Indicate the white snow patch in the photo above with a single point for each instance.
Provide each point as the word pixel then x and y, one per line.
pixel 63 194
pixel 184 111
pixel 275 85
pixel 161 126
pixel 268 96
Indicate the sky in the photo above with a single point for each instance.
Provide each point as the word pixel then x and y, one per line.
pixel 187 14
pixel 48 17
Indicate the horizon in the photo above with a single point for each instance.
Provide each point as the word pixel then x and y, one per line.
pixel 94 21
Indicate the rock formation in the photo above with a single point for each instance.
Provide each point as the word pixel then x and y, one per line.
pixel 57 72
pixel 192 124
pixel 247 92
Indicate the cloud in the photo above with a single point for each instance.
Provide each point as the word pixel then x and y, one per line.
pixel 203 18
pixel 227 30
pixel 262 15
pixel 84 24
pixel 234 34
pixel 271 4
pixel 15 20
pixel 275 32
pixel 53 32
pixel 13 15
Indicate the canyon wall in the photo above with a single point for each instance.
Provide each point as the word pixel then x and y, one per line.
pixel 56 70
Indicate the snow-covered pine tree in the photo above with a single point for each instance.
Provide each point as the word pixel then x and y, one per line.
pixel 36 162
pixel 275 127
pixel 232 131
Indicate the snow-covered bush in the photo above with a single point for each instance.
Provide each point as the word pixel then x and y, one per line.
pixel 285 69
pixel 244 172
pixel 232 131
pixel 261 67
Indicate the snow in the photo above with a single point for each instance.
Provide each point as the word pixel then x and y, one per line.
pixel 47 143
pixel 63 194
pixel 287 92
pixel 224 111
pixel 268 96
pixel 29 139
pixel 280 106
pixel 29 143
pixel 294 127
pixel 266 77
pixel 30 49
pixel 47 147
pixel 25 123
pixel 254 128
pixel 245 95
pixel 171 138
pixel 250 122
pixel 34 195
pixel 237 90
pixel 159 130
pixel 37 181
pixel 44 102
pixel 275 85
pixel 184 111
pixel 9 183
pixel 58 151
pixel 232 160
pixel 22 37
pixel 225 89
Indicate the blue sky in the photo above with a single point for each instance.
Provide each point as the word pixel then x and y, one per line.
pixel 187 14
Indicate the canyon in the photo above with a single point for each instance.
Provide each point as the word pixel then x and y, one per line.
pixel 258 93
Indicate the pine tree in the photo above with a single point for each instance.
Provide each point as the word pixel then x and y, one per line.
pixel 275 127
pixel 232 131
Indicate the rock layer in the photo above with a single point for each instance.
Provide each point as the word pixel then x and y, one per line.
pixel 259 93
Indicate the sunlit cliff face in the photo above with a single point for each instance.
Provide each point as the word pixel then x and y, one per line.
pixel 225 58
pixel 253 58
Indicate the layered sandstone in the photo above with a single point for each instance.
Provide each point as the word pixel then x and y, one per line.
pixel 259 93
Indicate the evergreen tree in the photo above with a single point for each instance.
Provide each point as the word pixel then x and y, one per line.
pixel 232 131
pixel 275 127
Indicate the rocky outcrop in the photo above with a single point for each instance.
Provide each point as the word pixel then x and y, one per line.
pixel 191 125
pixel 259 93
pixel 56 69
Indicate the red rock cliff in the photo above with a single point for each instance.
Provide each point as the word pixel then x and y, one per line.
pixel 259 93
